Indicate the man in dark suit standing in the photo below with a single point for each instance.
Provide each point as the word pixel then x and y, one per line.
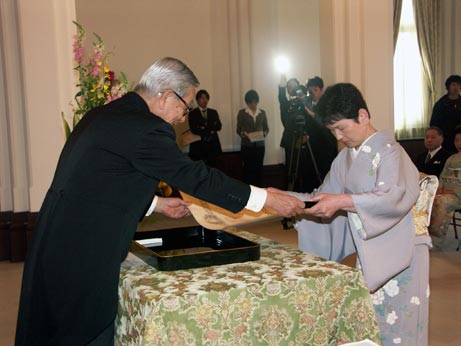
pixel 104 182
pixel 433 160
pixel 204 122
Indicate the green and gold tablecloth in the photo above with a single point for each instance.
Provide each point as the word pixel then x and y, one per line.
pixel 288 297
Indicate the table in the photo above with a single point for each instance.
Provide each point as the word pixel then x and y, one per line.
pixel 288 297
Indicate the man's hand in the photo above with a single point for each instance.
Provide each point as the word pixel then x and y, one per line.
pixel 172 207
pixel 283 204
pixel 328 204
pixel 283 79
pixel 309 111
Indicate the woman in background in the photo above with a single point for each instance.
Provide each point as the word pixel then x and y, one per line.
pixel 252 128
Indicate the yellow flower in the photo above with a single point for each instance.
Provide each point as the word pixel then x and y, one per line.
pixel 106 69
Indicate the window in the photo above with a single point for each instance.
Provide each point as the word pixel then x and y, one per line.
pixel 408 78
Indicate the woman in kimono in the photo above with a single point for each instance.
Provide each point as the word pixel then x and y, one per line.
pixel 364 206
pixel 448 196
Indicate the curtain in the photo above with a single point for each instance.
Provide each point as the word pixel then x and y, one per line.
pixel 428 27
pixel 397 12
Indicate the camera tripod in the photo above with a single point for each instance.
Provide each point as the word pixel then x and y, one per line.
pixel 296 149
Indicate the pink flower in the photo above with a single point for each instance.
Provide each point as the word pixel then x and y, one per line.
pixel 96 70
pixel 79 51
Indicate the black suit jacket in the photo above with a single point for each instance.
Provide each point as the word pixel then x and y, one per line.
pixel 106 176
pixel 209 146
pixel 435 165
pixel 287 135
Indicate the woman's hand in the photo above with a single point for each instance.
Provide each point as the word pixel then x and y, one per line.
pixel 328 204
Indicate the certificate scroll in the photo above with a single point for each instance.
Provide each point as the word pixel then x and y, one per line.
pixel 216 218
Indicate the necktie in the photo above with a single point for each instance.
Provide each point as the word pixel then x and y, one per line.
pixel 204 114
pixel 428 158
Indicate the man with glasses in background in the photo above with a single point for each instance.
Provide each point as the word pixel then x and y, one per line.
pixel 104 184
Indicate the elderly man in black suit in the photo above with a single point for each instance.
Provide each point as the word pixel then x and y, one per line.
pixel 104 182
pixel 433 160
pixel 205 122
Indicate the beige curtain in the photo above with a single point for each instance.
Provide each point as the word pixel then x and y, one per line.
pixel 397 12
pixel 428 27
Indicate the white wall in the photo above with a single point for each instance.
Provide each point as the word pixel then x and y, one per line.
pixel 37 84
pixel 450 43
pixel 48 88
pixel 357 47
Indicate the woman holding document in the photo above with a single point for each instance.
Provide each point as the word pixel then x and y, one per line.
pixel 252 128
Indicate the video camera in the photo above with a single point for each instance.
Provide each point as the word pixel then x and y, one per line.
pixel 296 110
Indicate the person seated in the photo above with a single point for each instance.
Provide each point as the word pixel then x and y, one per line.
pixel 432 161
pixel 448 197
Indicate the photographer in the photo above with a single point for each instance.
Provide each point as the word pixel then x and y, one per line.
pixel 309 146
pixel 284 88
pixel 315 88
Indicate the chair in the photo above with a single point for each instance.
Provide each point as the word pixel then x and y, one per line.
pixel 455 224
pixel 422 209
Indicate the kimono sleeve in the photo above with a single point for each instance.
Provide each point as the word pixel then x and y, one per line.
pixel 394 194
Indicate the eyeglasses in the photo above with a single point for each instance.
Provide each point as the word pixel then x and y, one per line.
pixel 187 110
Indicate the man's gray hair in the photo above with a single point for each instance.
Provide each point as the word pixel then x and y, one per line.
pixel 167 73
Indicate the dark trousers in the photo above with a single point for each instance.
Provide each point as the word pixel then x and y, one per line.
pixel 252 161
pixel 105 338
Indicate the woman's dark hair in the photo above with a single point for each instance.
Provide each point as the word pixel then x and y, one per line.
pixel 200 93
pixel 452 79
pixel 251 96
pixel 340 101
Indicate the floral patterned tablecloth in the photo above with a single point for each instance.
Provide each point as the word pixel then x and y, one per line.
pixel 288 297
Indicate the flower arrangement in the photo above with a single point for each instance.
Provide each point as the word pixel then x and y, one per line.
pixel 97 84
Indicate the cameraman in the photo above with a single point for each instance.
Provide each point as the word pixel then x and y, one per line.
pixel 315 88
pixel 287 135
pixel 309 146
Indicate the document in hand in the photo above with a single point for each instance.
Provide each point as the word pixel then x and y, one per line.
pixel 213 217
pixel 256 136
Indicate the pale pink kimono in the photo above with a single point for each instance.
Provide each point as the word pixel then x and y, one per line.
pixel 384 186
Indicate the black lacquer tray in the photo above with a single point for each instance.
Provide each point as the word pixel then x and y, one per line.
pixel 193 247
